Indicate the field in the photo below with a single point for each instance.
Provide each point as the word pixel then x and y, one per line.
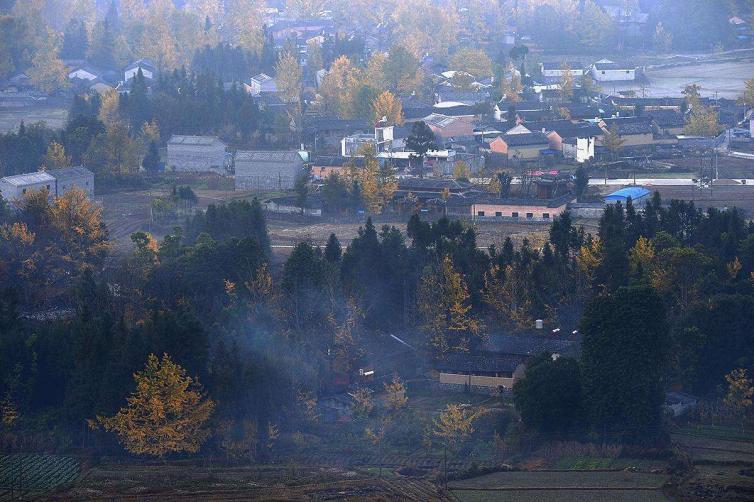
pixel 722 463
pixel 126 212
pixel 184 481
pixel 561 486
pixel 10 118
pixel 22 476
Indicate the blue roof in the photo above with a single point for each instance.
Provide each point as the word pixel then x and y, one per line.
pixel 635 193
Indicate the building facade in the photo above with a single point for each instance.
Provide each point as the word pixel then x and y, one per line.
pixel 267 170
pixel 197 154
pixel 57 182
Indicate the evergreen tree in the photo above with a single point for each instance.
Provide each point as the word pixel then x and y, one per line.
pixel 624 358
pixel 151 160
pixel 333 251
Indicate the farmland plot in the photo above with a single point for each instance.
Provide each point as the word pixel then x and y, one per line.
pixel 33 475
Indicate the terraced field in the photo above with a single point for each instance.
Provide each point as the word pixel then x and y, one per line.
pixel 25 476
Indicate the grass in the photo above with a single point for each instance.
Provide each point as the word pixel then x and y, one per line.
pixel 718 432
pixel 563 479
pixel 560 496
pixel 594 463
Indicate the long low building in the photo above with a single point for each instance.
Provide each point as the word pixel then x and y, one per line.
pixel 540 210
pixel 197 154
pixel 484 371
pixel 56 181
pixel 267 170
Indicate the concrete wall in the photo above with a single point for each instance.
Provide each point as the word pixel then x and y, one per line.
pixel 85 183
pixel 267 175
pixel 613 75
pixel 11 192
pixel 507 211
pixel 196 158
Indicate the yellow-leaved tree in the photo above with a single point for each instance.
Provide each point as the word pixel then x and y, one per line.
pixel 166 414
pixel 443 300
pixel 389 107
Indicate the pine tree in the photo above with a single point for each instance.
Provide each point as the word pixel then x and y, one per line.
pixel 151 160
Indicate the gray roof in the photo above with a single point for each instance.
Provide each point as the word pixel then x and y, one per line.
pixel 526 139
pixel 69 173
pixel 482 361
pixel 573 65
pixel 194 140
pixel 28 178
pixel 267 156
pixel 533 345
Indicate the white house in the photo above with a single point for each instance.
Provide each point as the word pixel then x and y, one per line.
pixel 579 149
pixel 199 154
pixel 56 181
pixel 84 73
pixel 15 187
pixel 263 84
pixel 605 70
pixel 146 66
pixel 554 71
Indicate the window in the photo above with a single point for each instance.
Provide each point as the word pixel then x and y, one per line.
pixel 23 191
pixel 48 187
pixel 603 72
pixel 546 216
pixel 529 215
pixel 498 213
pixel 514 215
pixel 480 213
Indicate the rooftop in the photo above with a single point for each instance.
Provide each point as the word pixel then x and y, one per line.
pixel 28 178
pixel 482 361
pixel 194 140
pixel 69 173
pixel 267 156
pixel 635 193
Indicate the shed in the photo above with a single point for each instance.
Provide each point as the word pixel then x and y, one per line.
pixel 638 195
pixel 267 170
pixel 196 154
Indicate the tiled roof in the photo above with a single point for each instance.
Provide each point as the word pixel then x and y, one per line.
pixel 68 173
pixel 483 361
pixel 267 156
pixel 28 178
pixel 194 140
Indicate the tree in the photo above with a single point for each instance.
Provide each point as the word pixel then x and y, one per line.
pixel 747 98
pixel 420 141
pixel 339 87
pixel 442 300
pixel 582 182
pixel 401 70
pixel 388 107
pixel 475 62
pixel 289 74
pixel 454 426
pixel 740 390
pixel 566 83
pixel 703 121
pixel 47 71
pixel 333 250
pixel 662 39
pixel 165 414
pixel 377 182
pixel 396 394
pixel 549 396
pixel 151 160
pixel 613 141
pixel 461 170
pixel 56 157
pixel 624 356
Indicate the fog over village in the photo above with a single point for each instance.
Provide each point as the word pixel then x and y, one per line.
pixel 362 250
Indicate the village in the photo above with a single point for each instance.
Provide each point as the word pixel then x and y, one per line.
pixel 510 257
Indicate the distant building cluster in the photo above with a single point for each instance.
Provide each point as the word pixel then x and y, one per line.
pixel 57 182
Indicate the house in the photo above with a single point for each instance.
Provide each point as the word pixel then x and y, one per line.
pixel 605 70
pixel 634 131
pixel 69 178
pixel 521 210
pixel 267 170
pixel 579 149
pixel 15 187
pixel 451 129
pixel 482 371
pixel 290 205
pixel 263 84
pixel 468 98
pixel 196 154
pixel 56 181
pixel 553 72
pixel 520 145
pixel 148 69
pixel 84 73
pixel 639 196
pixel 647 104
pixel 381 140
